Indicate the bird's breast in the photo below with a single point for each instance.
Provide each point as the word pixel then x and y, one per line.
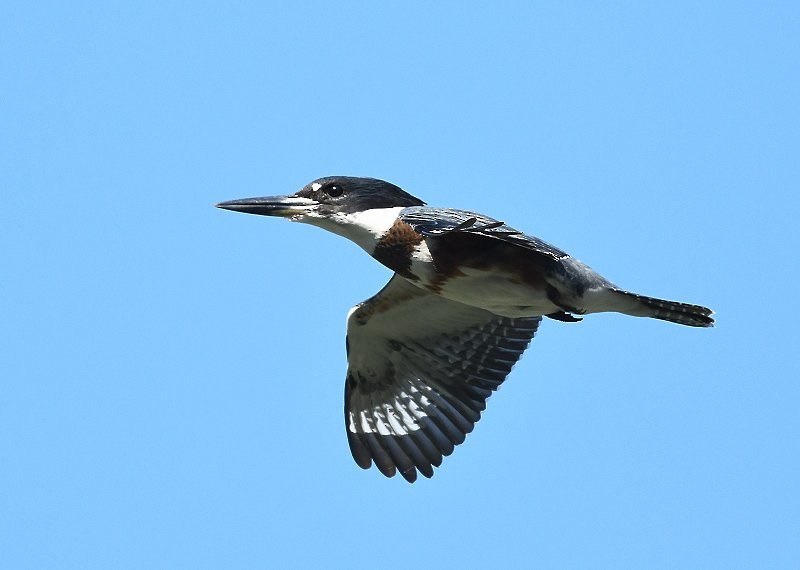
pixel 491 274
pixel 398 247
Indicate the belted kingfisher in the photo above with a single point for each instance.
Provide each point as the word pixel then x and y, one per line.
pixel 466 298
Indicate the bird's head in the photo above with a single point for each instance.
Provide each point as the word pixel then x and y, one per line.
pixel 360 209
pixel 327 198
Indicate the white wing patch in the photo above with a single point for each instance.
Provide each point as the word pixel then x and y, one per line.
pixel 420 369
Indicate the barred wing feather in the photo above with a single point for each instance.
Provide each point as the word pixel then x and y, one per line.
pixel 420 368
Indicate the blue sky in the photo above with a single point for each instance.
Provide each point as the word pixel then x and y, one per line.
pixel 172 374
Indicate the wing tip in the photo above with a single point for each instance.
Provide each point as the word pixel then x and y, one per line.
pixel 359 451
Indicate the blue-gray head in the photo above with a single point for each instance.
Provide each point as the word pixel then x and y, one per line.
pixel 326 197
pixel 359 209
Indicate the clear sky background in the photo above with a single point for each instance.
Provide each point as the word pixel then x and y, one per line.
pixel 172 374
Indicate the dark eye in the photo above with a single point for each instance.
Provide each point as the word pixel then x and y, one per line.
pixel 333 190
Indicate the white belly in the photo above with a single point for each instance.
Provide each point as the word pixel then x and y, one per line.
pixel 490 290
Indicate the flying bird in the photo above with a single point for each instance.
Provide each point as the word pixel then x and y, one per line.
pixel 466 298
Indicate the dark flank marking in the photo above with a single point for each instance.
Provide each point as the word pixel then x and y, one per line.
pixel 395 247
pixel 453 251
pixel 556 298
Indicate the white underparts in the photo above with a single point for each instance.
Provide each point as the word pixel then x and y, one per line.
pixel 497 292
pixel 421 254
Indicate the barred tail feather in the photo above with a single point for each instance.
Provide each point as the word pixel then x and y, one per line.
pixel 681 313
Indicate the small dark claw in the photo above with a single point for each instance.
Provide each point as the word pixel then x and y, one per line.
pixel 564 317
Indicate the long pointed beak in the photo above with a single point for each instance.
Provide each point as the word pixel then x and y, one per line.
pixel 283 206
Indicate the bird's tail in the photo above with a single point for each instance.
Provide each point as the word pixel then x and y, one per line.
pixel 681 313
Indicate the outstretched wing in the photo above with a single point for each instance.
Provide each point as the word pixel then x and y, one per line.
pixel 420 368
pixel 441 222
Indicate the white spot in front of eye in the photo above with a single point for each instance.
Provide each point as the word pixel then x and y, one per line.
pixel 315 186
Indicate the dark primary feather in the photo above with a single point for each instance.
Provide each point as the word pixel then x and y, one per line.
pixel 432 222
pixel 420 370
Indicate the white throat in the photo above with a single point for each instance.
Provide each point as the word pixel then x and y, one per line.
pixel 364 228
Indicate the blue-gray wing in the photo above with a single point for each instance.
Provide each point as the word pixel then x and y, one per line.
pixel 437 222
pixel 420 368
